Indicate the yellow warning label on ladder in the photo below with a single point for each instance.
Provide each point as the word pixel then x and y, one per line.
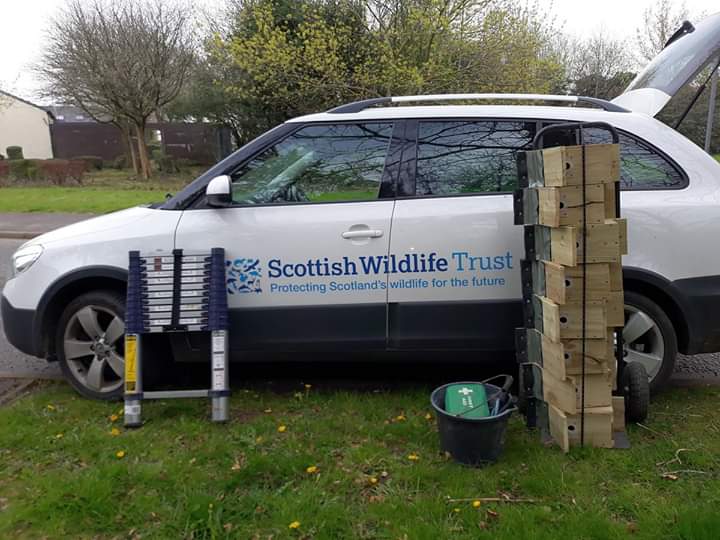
pixel 130 363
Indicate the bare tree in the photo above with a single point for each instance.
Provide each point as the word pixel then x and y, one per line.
pixel 659 23
pixel 599 66
pixel 121 59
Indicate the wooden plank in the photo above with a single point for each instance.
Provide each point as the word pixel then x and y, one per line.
pixel 565 321
pixel 565 428
pixel 571 315
pixel 615 308
pixel 599 355
pixel 563 245
pixel 609 201
pixel 616 277
pixel 603 242
pixel 558 427
pixel 598 281
pixel 555 286
pixel 598 427
pixel 623 234
pixel 564 206
pixel 566 394
pixel 563 363
pixel 563 165
pixel 618 405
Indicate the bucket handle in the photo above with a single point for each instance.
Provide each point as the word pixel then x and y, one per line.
pixel 508 381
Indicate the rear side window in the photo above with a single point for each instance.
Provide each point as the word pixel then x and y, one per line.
pixel 641 166
pixel 463 157
pixel 323 163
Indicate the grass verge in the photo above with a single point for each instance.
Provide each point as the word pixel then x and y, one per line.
pixel 66 472
pixel 102 191
pixel 94 200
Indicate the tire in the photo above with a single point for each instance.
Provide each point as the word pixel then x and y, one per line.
pixel 649 338
pixel 636 390
pixel 90 344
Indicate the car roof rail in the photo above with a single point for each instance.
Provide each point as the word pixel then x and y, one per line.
pixel 357 106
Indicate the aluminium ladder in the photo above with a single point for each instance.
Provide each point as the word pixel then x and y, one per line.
pixel 176 293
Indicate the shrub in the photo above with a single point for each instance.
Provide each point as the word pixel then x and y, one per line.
pixel 167 164
pixel 155 151
pixel 93 162
pixel 59 171
pixel 24 169
pixel 14 152
pixel 120 162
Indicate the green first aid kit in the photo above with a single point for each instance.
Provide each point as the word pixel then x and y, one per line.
pixel 467 400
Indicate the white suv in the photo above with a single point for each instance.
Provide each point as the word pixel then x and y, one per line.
pixel 391 229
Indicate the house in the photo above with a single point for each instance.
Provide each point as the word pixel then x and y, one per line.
pixel 25 124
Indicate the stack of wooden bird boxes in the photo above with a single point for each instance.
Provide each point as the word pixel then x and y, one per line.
pixel 550 206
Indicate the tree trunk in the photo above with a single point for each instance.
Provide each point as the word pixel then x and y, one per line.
pixel 130 144
pixel 142 151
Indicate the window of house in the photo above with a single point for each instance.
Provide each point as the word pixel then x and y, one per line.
pixel 323 163
pixel 461 157
pixel 641 166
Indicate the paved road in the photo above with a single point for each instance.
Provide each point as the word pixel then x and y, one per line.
pixel 693 369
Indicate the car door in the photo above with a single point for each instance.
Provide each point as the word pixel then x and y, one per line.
pixel 302 238
pixel 455 217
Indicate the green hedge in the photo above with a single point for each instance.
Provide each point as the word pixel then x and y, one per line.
pixel 14 152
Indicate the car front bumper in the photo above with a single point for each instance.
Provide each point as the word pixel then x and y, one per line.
pixel 18 325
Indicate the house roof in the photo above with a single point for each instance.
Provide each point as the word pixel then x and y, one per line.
pixel 26 102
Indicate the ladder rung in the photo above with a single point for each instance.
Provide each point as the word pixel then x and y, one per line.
pixel 171 394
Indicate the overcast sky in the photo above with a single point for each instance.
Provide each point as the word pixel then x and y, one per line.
pixel 22 23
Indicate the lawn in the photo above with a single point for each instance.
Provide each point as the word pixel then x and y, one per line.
pixel 329 463
pixel 102 192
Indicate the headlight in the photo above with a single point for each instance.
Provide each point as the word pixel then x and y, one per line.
pixel 24 257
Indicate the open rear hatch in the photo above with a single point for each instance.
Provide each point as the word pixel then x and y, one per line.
pixel 687 53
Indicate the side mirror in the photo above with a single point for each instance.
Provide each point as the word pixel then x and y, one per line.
pixel 218 192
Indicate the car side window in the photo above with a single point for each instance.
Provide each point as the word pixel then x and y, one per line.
pixel 322 163
pixel 464 157
pixel 641 166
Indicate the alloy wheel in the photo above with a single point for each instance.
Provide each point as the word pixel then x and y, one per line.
pixel 94 348
pixel 643 341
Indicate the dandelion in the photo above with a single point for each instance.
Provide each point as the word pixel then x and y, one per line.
pixel 50 407
pixel 294 525
pixel 476 504
pixel 373 480
pixel 114 417
pixel 312 469
pixel 114 432
pixel 258 439
pixel 413 457
pixel 400 418
pixel 456 510
pixel 120 454
pixel 59 436
pixel 282 429
pixel 428 416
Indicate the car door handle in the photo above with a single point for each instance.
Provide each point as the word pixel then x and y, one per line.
pixel 362 233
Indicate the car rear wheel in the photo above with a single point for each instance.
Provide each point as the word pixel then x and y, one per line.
pixel 90 344
pixel 649 339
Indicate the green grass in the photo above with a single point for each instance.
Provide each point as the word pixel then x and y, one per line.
pixel 102 191
pixel 94 200
pixel 182 477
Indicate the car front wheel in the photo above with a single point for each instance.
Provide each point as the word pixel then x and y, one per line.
pixel 649 339
pixel 90 344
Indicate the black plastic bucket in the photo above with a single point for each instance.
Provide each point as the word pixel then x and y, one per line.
pixel 473 441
